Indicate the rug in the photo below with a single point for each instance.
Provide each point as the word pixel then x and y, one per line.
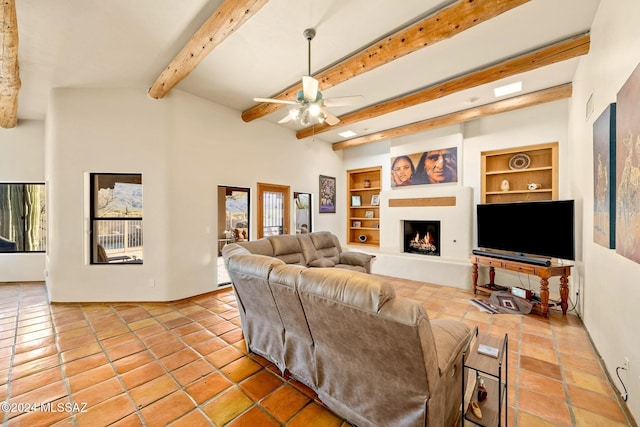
pixel 504 303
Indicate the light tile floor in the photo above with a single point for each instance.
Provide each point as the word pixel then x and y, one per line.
pixel 184 363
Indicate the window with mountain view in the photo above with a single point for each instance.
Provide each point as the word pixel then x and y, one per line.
pixel 23 218
pixel 116 219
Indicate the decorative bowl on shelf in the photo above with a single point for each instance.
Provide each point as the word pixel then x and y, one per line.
pixel 362 238
pixel 519 161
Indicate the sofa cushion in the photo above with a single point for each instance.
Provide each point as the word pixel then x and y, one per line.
pixel 326 245
pixel 450 336
pixel 322 262
pixel 231 249
pixel 258 247
pixel 308 250
pixel 288 249
pixel 298 344
pixel 261 323
pixel 352 288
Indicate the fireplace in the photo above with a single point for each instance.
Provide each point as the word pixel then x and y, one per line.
pixel 422 237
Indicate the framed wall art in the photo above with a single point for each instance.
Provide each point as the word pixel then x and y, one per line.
pixel 604 169
pixel 327 194
pixel 430 167
pixel 627 208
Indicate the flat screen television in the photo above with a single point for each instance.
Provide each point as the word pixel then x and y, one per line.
pixel 541 228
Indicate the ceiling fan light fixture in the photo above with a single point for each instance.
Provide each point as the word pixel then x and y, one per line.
pixel 305 118
pixel 310 106
pixel 314 110
pixel 294 113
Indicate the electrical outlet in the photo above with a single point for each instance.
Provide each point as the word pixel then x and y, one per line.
pixel 626 364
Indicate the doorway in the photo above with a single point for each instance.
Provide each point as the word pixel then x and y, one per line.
pixel 303 211
pixel 273 209
pixel 233 222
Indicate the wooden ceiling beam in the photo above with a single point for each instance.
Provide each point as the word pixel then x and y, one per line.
pixel 540 97
pixel 561 51
pixel 441 25
pixel 9 69
pixel 225 20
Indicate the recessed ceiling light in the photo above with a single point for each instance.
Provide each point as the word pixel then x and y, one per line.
pixel 347 134
pixel 507 89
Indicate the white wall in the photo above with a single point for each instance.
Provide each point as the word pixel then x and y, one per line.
pixel 184 147
pixel 22 160
pixel 611 286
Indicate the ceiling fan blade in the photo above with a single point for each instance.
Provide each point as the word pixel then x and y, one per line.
pixel 330 119
pixel 274 100
pixel 285 119
pixel 344 100
pixel 309 88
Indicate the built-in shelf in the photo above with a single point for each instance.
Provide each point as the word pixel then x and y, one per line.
pixel 364 184
pixel 542 170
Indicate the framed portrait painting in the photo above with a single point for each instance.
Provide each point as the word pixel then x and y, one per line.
pixel 327 194
pixel 438 166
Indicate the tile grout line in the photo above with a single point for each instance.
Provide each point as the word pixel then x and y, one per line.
pixel 199 407
pixel 565 386
pixel 171 330
pixel 65 379
pixel 13 354
pixel 117 375
pixel 167 372
pixel 516 394
pixel 255 403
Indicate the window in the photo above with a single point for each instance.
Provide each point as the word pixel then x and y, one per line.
pixel 116 219
pixel 23 218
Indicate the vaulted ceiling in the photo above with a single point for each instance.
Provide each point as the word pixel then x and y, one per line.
pixel 419 64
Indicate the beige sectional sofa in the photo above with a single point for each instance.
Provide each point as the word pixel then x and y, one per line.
pixel 373 358
pixel 317 249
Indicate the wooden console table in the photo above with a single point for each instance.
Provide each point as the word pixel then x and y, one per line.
pixel 543 272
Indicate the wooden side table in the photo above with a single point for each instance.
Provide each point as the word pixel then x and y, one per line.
pixel 543 272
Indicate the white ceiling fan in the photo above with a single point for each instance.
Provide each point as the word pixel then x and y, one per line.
pixel 310 107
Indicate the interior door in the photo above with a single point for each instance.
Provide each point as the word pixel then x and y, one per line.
pixel 273 209
pixel 233 222
pixel 302 212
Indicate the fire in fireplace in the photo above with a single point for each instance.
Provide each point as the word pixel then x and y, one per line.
pixel 422 237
